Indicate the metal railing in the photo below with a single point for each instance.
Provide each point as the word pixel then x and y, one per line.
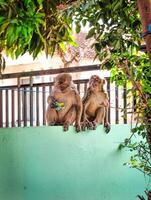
pixel 24 104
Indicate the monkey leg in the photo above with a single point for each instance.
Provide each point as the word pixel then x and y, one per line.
pixel 86 121
pixel 69 118
pixel 79 108
pixel 51 116
pixel 99 119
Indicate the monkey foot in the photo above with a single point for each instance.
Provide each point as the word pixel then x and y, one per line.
pixel 83 126
pixel 95 124
pixel 65 127
pixel 107 127
pixel 87 124
pixel 77 127
pixel 51 123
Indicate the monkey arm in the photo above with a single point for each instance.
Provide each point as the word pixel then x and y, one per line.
pixel 84 118
pixel 78 109
pixel 106 105
pixel 85 123
pixel 106 119
pixel 106 100
pixel 86 103
pixel 86 96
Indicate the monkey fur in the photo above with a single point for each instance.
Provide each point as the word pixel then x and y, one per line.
pixel 95 105
pixel 64 103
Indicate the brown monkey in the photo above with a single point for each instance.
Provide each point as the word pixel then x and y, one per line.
pixel 64 103
pixel 95 105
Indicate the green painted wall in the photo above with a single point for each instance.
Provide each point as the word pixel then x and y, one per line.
pixel 44 163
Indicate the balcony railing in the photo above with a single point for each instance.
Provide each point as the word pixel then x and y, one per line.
pixel 23 97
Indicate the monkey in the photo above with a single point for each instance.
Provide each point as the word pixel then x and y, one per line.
pixel 95 105
pixel 64 103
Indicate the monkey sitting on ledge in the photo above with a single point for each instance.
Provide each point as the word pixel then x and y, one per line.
pixel 64 103
pixel 95 105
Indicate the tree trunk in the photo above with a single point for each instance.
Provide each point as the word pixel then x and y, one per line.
pixel 144 7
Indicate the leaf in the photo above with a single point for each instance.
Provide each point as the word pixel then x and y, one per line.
pixel 40 35
pixel 84 21
pixel 78 27
pixel 90 33
pixel 117 5
pixel 62 46
pixel 39 15
pixel 18 52
pixel 121 146
pixel 40 2
pixel 4 26
pixel 97 47
pixel 11 36
pixel 2 18
pixel 117 46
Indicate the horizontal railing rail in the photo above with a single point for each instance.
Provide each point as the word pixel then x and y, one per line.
pixel 51 71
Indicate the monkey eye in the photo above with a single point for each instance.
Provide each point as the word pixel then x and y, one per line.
pixel 61 82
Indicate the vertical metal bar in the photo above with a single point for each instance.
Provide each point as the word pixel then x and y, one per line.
pixel 50 88
pixel 85 87
pixel 125 103
pixel 78 87
pixel 19 102
pixel 13 109
pixel 7 123
pixel 25 106
pixel 44 104
pixel 37 106
pixel 108 90
pixel 116 105
pixel 31 101
pixel 1 108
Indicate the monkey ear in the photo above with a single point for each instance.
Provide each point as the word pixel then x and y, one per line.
pixel 103 81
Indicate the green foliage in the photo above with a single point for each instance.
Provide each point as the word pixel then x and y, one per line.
pixel 116 28
pixel 112 23
pixel 140 158
pixel 32 26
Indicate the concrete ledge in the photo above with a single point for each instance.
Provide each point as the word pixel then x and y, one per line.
pixel 45 163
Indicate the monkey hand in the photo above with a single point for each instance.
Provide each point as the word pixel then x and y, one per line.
pixel 106 103
pixel 78 127
pixel 95 124
pixel 107 127
pixel 65 126
pixel 84 125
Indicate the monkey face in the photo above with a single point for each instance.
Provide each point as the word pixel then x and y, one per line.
pixel 96 83
pixel 63 81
